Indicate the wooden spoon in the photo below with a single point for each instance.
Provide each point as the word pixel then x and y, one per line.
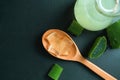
pixel 60 45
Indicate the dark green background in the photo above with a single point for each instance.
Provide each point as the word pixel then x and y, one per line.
pixel 22 56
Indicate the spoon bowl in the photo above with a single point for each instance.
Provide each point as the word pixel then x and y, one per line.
pixel 60 45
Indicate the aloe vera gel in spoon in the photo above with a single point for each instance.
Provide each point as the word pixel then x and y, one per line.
pixel 96 15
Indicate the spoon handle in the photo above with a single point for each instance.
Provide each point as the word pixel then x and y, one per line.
pixel 97 70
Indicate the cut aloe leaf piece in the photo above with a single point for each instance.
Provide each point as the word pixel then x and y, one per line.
pixel 98 48
pixel 75 28
pixel 113 33
pixel 55 72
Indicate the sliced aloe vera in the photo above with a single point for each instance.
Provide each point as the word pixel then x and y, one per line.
pixel 55 72
pixel 113 33
pixel 75 28
pixel 98 48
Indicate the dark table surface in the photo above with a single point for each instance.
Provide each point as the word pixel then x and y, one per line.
pixel 22 56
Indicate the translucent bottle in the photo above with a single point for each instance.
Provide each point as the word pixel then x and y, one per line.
pixel 96 15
